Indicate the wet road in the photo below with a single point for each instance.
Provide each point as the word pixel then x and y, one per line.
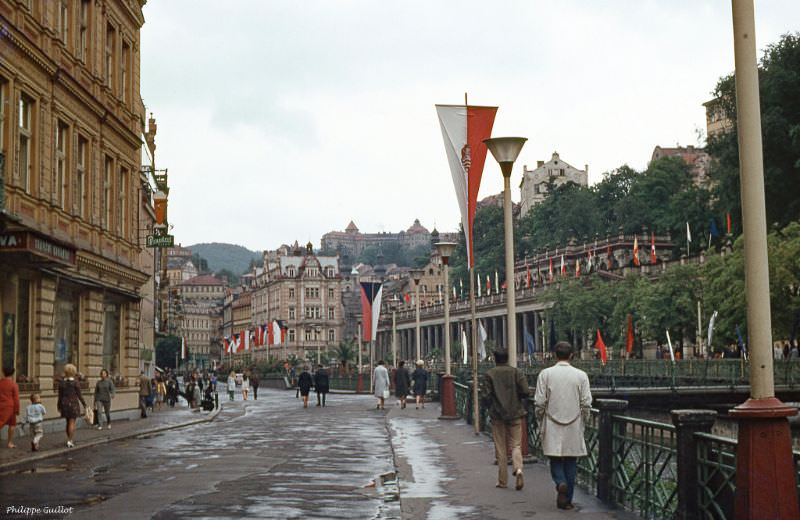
pixel 259 459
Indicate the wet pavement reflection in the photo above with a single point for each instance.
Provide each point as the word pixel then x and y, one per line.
pixel 259 459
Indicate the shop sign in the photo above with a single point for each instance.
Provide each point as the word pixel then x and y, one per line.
pixel 24 241
pixel 160 241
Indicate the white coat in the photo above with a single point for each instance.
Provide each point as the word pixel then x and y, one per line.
pixel 563 403
pixel 380 379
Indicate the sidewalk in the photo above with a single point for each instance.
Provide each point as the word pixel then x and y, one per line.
pixel 446 471
pixel 54 443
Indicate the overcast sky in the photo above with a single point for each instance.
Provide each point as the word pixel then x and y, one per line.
pixel 282 120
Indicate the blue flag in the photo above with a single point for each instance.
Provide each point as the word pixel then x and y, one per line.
pixel 529 343
pixel 714 231
pixel 740 341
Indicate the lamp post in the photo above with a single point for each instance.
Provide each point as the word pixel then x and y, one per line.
pixel 416 275
pixel 765 484
pixel 393 304
pixel 505 151
pixel 447 391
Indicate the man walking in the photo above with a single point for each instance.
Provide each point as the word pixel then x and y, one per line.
pixel 563 402
pixel 144 393
pixel 504 389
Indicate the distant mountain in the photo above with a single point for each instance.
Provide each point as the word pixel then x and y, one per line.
pixel 226 256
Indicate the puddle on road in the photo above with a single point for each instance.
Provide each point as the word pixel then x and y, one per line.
pixel 423 456
pixel 445 511
pixel 37 469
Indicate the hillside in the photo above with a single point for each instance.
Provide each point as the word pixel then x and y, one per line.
pixel 226 256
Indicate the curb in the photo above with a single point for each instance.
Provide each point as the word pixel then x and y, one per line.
pixel 97 442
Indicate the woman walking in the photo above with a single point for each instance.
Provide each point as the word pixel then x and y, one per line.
pixel 402 382
pixel 161 391
pixel 245 385
pixel 304 384
pixel 9 404
pixel 420 378
pixel 103 393
pixel 231 385
pixel 380 378
pixel 321 384
pixel 70 400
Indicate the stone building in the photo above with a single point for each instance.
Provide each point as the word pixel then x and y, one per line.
pixel 352 242
pixel 696 158
pixel 71 121
pixel 717 121
pixel 199 317
pixel 535 182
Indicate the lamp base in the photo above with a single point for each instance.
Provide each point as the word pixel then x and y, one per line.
pixel 447 396
pixel 765 472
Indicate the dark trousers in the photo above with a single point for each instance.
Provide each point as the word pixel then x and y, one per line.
pixel 255 392
pixel 143 405
pixel 564 470
pixel 321 400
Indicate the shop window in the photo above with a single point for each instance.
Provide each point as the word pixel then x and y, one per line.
pixel 65 335
pixel 16 326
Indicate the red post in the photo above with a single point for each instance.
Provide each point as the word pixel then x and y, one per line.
pixel 447 396
pixel 359 383
pixel 765 474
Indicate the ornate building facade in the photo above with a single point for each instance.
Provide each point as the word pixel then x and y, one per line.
pixel 534 185
pixel 71 121
pixel 352 242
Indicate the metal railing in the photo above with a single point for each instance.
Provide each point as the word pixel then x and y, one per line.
pixel 644 466
pixel 716 475
pixel 588 465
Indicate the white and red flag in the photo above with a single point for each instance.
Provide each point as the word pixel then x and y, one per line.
pixel 636 251
pixel 653 257
pixel 464 128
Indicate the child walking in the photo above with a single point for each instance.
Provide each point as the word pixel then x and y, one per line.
pixel 35 413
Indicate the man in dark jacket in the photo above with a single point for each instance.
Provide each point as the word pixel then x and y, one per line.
pixel 504 389
pixel 254 382
pixel 144 393
pixel 321 384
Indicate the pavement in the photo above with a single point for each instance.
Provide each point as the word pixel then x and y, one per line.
pixel 272 458
pixel 54 443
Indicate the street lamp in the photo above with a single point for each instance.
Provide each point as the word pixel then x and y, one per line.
pixel 505 151
pixel 416 275
pixel 447 391
pixel 393 304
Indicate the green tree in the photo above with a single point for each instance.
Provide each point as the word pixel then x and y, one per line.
pixel 167 350
pixel 489 247
pixel 779 83
pixel 233 280
pixel 345 353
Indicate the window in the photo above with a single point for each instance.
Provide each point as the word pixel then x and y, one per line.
pixel 80 178
pixel 291 335
pixel 309 334
pixel 65 333
pixel 62 131
pixel 290 272
pixel 108 185
pixel 25 140
pixel 122 207
pixel 291 293
pixel 291 313
pixel 331 293
pixel 536 188
pixel 561 172
pixel 331 313
pixel 312 292
pixel 83 32
pixel 110 37
pixel 125 72
pixel 16 326
pixel 111 337
pixel 63 20
pixel 331 335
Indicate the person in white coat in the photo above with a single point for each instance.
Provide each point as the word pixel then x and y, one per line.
pixel 563 402
pixel 380 378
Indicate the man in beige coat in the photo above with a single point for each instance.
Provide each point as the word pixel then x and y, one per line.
pixel 563 402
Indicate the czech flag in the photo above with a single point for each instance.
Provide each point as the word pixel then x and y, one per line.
pixel 371 294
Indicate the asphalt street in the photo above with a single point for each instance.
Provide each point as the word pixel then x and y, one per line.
pixel 259 459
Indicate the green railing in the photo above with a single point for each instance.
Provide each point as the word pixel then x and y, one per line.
pixel 716 475
pixel 348 382
pixel 587 466
pixel 644 467
pixel 462 399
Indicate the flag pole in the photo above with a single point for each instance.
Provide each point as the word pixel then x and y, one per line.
pixel 474 348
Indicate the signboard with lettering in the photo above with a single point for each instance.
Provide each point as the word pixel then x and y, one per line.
pixel 160 241
pixel 39 246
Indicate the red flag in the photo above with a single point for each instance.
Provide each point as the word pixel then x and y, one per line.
pixel 577 268
pixel 528 275
pixel 270 335
pixel 653 257
pixel 407 297
pixel 636 251
pixel 728 218
pixel 629 340
pixel 551 269
pixel 602 347
pixel 609 251
pixel 563 266
pixel 488 285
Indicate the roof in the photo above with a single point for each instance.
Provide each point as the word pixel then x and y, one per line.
pixel 203 279
pixel 416 227
pixel 351 227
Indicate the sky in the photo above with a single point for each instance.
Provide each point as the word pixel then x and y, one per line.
pixel 283 120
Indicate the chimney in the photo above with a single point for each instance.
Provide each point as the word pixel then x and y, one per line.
pixel 586 168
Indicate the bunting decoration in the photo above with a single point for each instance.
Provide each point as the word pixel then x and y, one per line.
pixel 636 251
pixel 464 128
pixel 371 293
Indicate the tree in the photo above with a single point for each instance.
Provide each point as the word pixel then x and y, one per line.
pixel 233 280
pixel 200 263
pixel 488 247
pixel 779 83
pixel 345 353
pixel 167 350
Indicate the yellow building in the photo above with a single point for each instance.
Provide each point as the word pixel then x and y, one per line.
pixel 71 120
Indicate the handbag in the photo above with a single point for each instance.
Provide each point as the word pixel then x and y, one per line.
pixel 385 394
pixel 88 415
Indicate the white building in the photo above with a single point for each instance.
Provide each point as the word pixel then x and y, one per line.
pixel 534 182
